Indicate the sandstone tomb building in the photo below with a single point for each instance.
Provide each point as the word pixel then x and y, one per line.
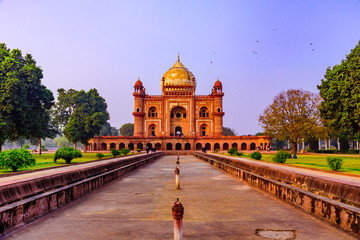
pixel 179 119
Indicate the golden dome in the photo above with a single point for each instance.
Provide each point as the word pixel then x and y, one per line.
pixel 178 75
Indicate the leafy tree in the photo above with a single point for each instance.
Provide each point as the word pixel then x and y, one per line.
pixel 67 154
pixel 228 131
pixel 313 143
pixel 293 115
pixel 108 130
pixel 16 158
pixel 87 118
pixel 62 142
pixel 24 101
pixel 344 142
pixel 340 91
pixel 64 107
pixel 259 134
pixel 127 129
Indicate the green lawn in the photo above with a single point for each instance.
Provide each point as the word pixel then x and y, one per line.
pixel 47 160
pixel 351 163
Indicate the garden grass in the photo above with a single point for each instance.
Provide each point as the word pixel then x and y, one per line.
pixel 46 160
pixel 351 163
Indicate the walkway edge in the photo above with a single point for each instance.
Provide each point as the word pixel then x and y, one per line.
pixel 342 215
pixel 24 211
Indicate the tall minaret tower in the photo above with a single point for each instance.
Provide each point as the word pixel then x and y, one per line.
pixel 139 111
pixel 218 108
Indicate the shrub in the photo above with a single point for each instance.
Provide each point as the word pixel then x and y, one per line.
pixel 239 154
pixel 115 152
pixel 216 150
pixel 67 154
pixel 139 150
pixel 281 156
pixel 256 155
pixel 125 151
pixel 26 146
pixel 334 163
pixel 43 148
pixel 232 151
pixel 16 158
pixel 99 155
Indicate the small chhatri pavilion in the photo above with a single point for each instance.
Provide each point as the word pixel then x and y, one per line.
pixel 178 119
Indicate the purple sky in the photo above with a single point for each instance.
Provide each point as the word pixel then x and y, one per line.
pixel 257 48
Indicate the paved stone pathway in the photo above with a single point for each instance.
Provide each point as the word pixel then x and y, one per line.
pixel 217 206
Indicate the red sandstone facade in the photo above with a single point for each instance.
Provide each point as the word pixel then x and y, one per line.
pixel 178 119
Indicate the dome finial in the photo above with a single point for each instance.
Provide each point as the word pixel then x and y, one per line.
pixel 178 57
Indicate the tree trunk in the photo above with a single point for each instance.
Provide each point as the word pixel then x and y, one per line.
pixel 74 145
pixel 39 146
pixel 85 148
pixel 1 143
pixel 293 147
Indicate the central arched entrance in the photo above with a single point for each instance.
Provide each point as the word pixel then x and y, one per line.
pixel 179 122
pixel 178 131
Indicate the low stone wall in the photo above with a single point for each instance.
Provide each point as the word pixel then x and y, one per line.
pixel 349 194
pixel 343 215
pixel 25 201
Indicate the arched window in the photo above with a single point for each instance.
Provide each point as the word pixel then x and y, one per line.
pixel 203 130
pixel 168 146
pixel 112 146
pixel 204 112
pixel 218 109
pixel 152 112
pixel 243 146
pixel 131 146
pixel 207 146
pixel 158 146
pixel 140 146
pixel 187 146
pixel 252 146
pixel 138 110
pixel 178 146
pixel 149 145
pixel 103 146
pixel 121 146
pixel 225 146
pixel 198 146
pixel 152 130
pixel 216 146
pixel 234 145
pixel 95 146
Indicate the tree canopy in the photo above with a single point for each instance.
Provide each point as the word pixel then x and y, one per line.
pixel 293 115
pixel 340 91
pixel 228 131
pixel 89 114
pixel 127 129
pixel 24 101
pixel 108 130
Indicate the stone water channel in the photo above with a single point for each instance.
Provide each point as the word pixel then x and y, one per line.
pixel 217 206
